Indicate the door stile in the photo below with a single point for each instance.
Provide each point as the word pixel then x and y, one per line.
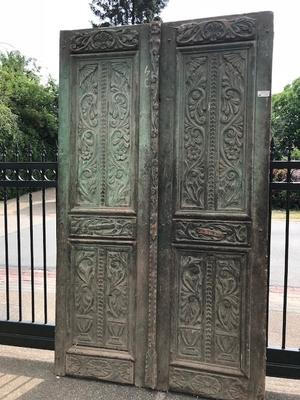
pixel 151 355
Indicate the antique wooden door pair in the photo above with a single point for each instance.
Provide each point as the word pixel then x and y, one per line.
pixel 163 182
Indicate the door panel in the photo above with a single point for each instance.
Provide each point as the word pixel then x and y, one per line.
pixel 212 260
pixel 103 235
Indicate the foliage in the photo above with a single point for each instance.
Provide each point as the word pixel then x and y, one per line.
pixel 126 12
pixel 286 118
pixel 28 108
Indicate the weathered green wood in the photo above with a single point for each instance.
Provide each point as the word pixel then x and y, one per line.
pixel 105 142
pixel 213 206
pixel 162 239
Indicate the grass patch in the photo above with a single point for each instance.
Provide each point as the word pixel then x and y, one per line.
pixel 280 214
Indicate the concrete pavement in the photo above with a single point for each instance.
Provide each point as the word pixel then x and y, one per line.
pixel 27 374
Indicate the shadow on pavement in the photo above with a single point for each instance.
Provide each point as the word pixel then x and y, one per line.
pixel 23 376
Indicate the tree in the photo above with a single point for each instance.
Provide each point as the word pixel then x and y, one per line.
pixel 126 12
pixel 286 118
pixel 28 108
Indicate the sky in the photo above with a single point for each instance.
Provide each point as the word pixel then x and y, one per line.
pixel 33 26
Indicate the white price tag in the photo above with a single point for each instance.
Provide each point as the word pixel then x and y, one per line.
pixel 263 93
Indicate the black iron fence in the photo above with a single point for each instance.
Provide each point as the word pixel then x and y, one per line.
pixel 283 358
pixel 27 297
pixel 24 272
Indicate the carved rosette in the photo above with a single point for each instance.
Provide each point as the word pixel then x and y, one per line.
pixel 216 31
pixel 99 40
pixel 151 356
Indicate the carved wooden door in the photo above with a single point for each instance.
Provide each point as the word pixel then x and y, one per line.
pixel 108 99
pixel 213 206
pixel 176 302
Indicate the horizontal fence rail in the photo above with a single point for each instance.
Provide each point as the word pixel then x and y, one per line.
pixel 284 177
pixel 25 320
pixel 25 177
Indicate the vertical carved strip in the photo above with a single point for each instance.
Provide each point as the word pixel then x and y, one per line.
pixel 118 183
pixel 209 308
pixel 103 133
pixel 101 277
pixel 87 135
pixel 151 356
pixel 227 320
pixel 231 187
pixel 117 299
pixel 193 177
pixel 212 132
pixel 85 304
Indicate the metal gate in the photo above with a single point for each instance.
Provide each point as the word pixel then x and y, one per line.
pixel 26 319
pixel 164 141
pixel 283 359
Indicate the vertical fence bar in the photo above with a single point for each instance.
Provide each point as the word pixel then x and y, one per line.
pixel 3 151
pixel 286 252
pixel 272 153
pixel 19 239
pixel 44 243
pixel 29 174
pixel 6 255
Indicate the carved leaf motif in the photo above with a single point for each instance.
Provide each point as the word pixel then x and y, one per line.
pixel 232 143
pixel 194 134
pixel 227 298
pixel 216 31
pixel 102 40
pixel 85 271
pixel 117 286
pixel 88 121
pixel 212 232
pixel 99 226
pixel 119 135
pixel 100 368
pixel 191 291
pixel 196 383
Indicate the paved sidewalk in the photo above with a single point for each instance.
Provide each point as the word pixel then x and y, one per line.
pixel 27 374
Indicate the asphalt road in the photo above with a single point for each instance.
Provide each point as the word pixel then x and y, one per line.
pixel 277 248
pixel 278 253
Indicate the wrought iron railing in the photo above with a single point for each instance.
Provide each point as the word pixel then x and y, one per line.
pixel 282 360
pixel 19 182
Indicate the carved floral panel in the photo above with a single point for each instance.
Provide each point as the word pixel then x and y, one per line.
pixel 232 140
pixel 85 306
pixel 209 304
pixel 194 140
pixel 107 369
pixel 222 232
pixel 105 133
pixel 212 169
pixel 102 296
pixel 87 134
pixel 97 226
pixel 210 385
